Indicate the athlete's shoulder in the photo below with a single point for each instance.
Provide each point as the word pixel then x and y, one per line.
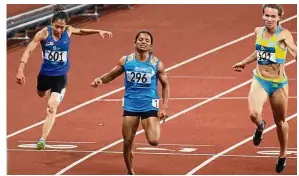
pixel 44 30
pixel 257 30
pixel 284 31
pixel 69 28
pixel 154 60
pixel 130 57
pixel 123 60
pixel 42 34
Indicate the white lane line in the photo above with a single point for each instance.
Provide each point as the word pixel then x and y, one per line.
pixel 191 145
pixel 61 142
pixel 292 79
pixel 291 148
pixel 190 98
pixel 206 162
pixel 147 153
pixel 122 88
pixel 210 77
pixel 202 77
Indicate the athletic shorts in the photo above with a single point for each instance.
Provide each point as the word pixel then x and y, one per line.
pixel 142 115
pixel 269 86
pixel 54 83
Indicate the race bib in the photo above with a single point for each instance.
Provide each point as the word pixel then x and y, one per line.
pixel 138 77
pixel 155 103
pixel 264 56
pixel 56 56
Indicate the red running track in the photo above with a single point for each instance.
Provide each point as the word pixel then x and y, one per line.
pixel 187 140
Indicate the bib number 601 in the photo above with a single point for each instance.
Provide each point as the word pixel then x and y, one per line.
pixel 55 56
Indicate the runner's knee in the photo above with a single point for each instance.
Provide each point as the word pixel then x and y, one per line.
pixel 128 142
pixel 254 115
pixel 281 123
pixel 52 107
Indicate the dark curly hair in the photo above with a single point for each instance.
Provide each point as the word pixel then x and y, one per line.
pixel 59 14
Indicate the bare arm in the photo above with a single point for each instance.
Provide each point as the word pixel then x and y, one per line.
pixel 252 57
pixel 77 31
pixel 39 36
pixel 289 41
pixel 240 66
pixel 111 75
pixel 165 84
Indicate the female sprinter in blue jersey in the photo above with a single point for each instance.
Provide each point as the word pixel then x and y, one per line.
pixel 55 42
pixel 141 102
pixel 270 80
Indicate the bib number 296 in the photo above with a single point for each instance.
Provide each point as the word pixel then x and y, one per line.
pixel 138 77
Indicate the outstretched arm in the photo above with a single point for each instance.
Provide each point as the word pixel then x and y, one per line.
pixel 111 75
pixel 289 41
pixel 239 67
pixel 251 58
pixel 165 90
pixel 77 31
pixel 39 36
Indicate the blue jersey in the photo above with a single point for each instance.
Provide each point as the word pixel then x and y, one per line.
pixel 141 81
pixel 55 54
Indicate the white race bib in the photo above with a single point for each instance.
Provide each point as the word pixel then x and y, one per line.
pixel 155 103
pixel 56 56
pixel 138 77
pixel 264 55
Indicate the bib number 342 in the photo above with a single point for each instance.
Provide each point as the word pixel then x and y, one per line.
pixel 263 55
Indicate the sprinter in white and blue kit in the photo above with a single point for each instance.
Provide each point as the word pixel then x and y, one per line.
pixel 141 101
pixel 52 78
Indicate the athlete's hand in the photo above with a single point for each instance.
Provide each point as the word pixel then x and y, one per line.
pixel 20 78
pixel 239 67
pixel 97 82
pixel 102 33
pixel 163 114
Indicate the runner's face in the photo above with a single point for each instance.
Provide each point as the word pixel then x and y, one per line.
pixel 143 42
pixel 58 27
pixel 270 17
